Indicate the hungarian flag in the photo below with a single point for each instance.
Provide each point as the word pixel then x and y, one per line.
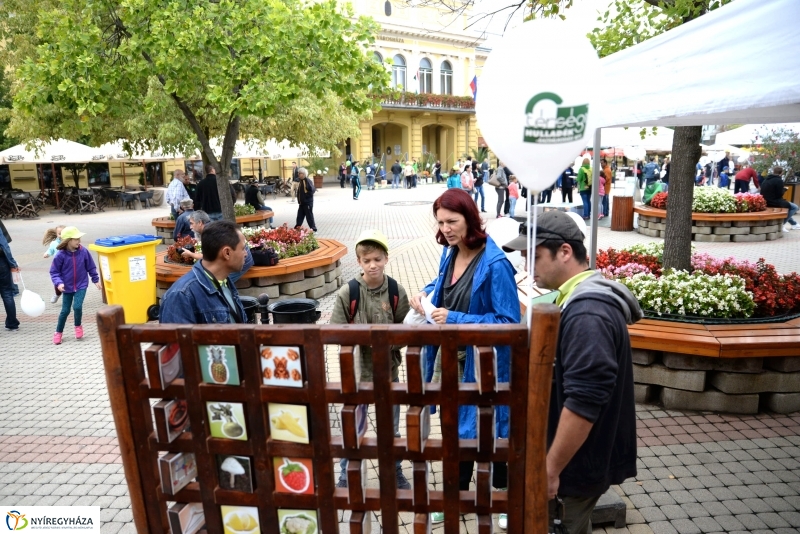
pixel 474 86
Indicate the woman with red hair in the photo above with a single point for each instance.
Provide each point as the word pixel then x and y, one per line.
pixel 475 286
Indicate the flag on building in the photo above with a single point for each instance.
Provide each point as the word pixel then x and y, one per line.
pixel 474 86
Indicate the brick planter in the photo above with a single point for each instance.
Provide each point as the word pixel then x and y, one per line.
pixel 312 275
pixel 722 368
pixel 165 226
pixel 718 227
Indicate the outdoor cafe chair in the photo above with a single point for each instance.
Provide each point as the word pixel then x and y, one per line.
pixel 70 202
pixel 6 206
pixel 127 200
pixel 86 201
pixel 23 205
pixel 146 197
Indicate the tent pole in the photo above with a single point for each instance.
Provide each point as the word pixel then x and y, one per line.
pixel 144 168
pixel 124 181
pixel 593 213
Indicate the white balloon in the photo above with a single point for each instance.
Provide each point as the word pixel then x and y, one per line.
pixel 634 152
pixel 539 122
pixel 587 236
pixel 31 303
pixel 716 157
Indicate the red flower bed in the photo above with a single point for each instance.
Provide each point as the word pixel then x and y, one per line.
pixel 748 203
pixel 659 201
pixel 618 258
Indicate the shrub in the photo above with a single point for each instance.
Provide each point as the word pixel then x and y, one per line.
pixel 182 242
pixel 713 200
pixel 748 203
pixel 241 210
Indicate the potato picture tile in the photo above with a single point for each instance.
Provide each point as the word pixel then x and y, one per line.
pixel 288 422
pixel 281 366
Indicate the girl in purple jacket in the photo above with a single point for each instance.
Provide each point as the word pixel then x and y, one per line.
pixel 70 271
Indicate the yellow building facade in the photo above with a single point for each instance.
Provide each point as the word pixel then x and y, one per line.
pixel 427 64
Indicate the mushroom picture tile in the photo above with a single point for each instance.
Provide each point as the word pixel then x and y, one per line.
pixel 235 473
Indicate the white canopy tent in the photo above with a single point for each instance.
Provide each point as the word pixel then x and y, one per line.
pixel 749 133
pixel 738 63
pixel 59 151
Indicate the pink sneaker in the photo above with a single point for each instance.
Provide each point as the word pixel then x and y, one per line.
pixel 57 338
pixel 78 332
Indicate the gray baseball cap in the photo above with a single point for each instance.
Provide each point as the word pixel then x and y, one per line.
pixel 551 226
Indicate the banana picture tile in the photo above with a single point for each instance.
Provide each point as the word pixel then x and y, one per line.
pixel 218 364
pixel 288 422
pixel 281 366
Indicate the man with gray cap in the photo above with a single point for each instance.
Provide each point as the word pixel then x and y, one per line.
pixel 591 433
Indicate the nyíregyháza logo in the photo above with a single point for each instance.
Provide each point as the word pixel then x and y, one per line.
pixel 16 520
pixel 547 122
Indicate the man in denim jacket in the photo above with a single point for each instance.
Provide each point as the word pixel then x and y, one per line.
pixel 206 294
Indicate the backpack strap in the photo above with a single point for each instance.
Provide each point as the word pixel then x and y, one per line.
pixel 355 297
pixel 394 295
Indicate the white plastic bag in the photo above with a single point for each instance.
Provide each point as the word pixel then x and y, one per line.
pixel 414 317
pixel 32 304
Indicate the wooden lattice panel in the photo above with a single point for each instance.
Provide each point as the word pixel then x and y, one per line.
pixel 135 385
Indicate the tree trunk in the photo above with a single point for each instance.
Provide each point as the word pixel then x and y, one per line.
pixel 224 170
pixel 678 235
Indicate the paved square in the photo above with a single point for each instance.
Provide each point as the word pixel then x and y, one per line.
pixel 697 472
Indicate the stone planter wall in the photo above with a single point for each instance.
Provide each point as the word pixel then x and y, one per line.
pixel 717 231
pixel 164 226
pixel 310 283
pixel 734 385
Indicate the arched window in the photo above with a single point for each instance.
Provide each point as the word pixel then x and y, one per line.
pixel 425 76
pixel 377 57
pixel 399 73
pixel 447 78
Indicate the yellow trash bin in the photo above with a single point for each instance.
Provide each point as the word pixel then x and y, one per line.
pixel 128 270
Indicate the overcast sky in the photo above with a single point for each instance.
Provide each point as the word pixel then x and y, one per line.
pixel 581 17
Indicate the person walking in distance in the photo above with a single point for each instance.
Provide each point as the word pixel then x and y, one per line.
pixel 176 192
pixel 567 184
pixel 342 175
pixel 69 272
pixel 479 177
pixel 501 189
pixel 52 238
pixel 208 195
pixel 8 266
pixel 513 195
pixel 305 200
pixel 355 180
pixel 397 171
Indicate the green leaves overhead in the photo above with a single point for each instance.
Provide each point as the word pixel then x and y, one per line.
pixel 175 71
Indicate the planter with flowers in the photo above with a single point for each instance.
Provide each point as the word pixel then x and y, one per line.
pixel 722 362
pixel 717 215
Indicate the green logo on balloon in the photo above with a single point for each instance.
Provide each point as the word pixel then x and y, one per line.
pixel 546 122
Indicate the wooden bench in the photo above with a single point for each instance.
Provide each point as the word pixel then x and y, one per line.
pixel 718 341
pixel 768 215
pixel 329 252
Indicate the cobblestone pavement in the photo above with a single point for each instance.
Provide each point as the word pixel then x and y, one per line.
pixel 697 472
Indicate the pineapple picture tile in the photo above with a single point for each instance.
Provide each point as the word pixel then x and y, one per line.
pixel 226 420
pixel 288 422
pixel 297 522
pixel 294 475
pixel 281 366
pixel 240 519
pixel 218 364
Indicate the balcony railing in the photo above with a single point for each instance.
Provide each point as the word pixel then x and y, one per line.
pixel 426 101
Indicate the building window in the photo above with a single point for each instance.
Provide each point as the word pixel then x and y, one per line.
pixel 425 76
pixel 399 73
pixel 377 57
pixel 98 174
pixel 447 78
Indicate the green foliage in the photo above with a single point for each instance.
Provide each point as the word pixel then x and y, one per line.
pixel 174 74
pixel 478 154
pixel 779 147
pixel 243 209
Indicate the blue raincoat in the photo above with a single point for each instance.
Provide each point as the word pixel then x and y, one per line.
pixel 493 301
